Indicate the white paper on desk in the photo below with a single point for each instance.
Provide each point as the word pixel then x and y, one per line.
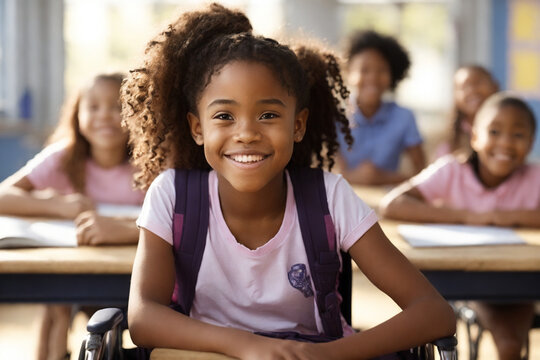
pixel 19 233
pixel 457 235
pixel 131 211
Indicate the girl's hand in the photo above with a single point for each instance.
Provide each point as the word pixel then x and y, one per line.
pixel 94 229
pixel 277 349
pixel 496 218
pixel 70 206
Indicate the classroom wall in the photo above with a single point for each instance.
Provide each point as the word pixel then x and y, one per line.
pixel 516 51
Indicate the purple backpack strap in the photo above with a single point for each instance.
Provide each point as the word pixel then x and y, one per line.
pixel 190 226
pixel 319 237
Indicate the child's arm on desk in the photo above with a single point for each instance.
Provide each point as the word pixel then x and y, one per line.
pixel 17 197
pixel 426 316
pixel 368 174
pixel 406 203
pixel 508 218
pixel 95 229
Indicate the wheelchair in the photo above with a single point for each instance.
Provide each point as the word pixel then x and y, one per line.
pixel 475 330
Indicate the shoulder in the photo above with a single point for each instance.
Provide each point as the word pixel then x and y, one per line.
pixel 46 162
pixel 444 165
pixel 164 179
pixel 532 170
pixel 53 152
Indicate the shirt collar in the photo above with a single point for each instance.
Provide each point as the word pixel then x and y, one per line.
pixel 380 116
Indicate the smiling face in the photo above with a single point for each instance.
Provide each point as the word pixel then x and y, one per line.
pixel 502 137
pixel 100 118
pixel 370 76
pixel 471 88
pixel 248 123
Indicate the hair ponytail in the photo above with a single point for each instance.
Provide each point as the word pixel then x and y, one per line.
pixel 327 96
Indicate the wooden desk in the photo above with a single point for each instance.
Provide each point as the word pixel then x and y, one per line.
pixel 173 354
pixel 502 273
pixel 89 275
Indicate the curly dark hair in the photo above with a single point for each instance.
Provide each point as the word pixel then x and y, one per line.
pixel 395 54
pixel 77 151
pixel 179 64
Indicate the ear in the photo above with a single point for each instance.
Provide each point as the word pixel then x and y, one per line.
pixel 300 121
pixel 196 128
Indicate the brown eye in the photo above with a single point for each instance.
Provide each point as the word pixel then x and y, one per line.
pixel 223 116
pixel 268 116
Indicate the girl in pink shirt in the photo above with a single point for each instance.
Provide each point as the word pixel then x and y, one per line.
pixel 473 84
pixel 494 186
pixel 211 95
pixel 85 164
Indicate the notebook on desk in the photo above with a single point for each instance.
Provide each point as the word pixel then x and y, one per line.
pixel 434 235
pixel 17 232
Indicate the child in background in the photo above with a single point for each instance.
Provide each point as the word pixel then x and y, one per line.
pixel 382 130
pixel 85 163
pixel 495 186
pixel 213 96
pixel 473 84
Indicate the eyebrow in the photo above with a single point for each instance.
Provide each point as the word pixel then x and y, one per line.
pixel 271 101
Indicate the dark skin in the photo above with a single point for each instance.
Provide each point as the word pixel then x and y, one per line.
pixel 253 218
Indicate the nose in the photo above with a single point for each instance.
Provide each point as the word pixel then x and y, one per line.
pixel 108 114
pixel 506 140
pixel 247 131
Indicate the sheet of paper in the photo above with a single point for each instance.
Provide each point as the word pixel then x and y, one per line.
pixel 457 235
pixel 132 211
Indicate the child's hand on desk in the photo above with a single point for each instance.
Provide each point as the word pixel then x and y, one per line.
pixel 70 206
pixel 94 229
pixel 269 348
pixel 495 218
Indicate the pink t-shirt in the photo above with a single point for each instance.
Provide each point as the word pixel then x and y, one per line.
pixel 453 183
pixel 113 186
pixel 249 289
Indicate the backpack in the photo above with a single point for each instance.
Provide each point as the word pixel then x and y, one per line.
pixel 190 226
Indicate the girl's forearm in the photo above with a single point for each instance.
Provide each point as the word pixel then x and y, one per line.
pixel 525 218
pixel 425 321
pixel 408 208
pixel 125 232
pixel 156 325
pixel 19 202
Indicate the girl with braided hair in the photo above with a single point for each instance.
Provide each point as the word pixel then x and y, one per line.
pixel 211 95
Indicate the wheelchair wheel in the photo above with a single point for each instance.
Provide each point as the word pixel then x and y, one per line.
pixel 82 350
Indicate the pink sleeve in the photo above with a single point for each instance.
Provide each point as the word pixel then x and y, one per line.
pixel 351 216
pixel 434 180
pixel 43 170
pixel 158 206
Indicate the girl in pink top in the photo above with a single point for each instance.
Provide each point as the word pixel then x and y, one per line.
pixel 85 164
pixel 473 84
pixel 495 186
pixel 213 95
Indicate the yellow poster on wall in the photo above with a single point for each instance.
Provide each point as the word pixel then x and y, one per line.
pixel 524 47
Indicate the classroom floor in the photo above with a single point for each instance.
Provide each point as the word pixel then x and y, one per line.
pixel 18 326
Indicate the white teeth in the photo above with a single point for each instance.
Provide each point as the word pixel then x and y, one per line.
pixel 247 158
pixel 502 157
